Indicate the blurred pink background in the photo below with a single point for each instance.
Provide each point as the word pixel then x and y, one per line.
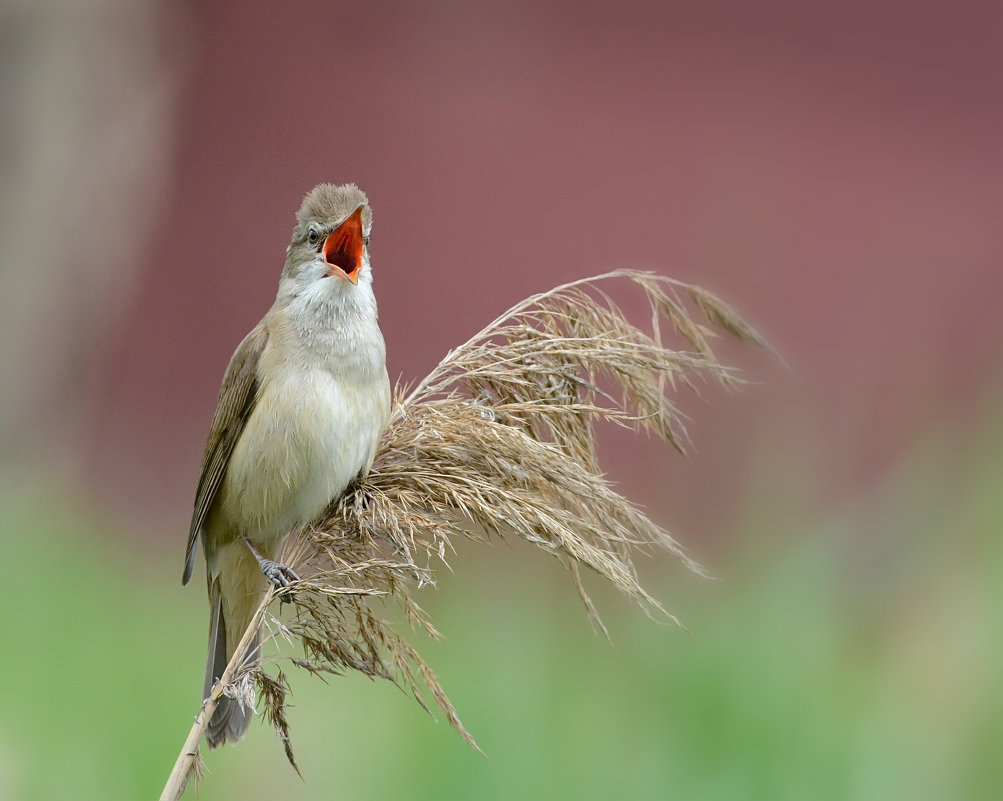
pixel 834 171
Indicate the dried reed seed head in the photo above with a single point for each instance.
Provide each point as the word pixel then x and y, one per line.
pixel 499 440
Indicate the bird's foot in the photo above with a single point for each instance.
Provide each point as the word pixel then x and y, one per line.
pixel 280 575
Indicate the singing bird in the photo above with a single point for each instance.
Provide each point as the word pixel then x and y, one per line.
pixel 300 413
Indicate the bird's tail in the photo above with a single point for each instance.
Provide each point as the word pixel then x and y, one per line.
pixel 231 718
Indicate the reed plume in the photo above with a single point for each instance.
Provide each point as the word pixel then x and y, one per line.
pixel 497 441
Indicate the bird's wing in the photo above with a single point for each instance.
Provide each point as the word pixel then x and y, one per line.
pixel 236 399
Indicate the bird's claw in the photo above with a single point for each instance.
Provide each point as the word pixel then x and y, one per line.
pixel 279 574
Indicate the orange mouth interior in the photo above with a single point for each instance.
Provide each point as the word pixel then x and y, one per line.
pixel 343 247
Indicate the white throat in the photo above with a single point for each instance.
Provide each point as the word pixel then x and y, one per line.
pixel 337 323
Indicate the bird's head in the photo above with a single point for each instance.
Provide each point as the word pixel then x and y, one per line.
pixel 329 248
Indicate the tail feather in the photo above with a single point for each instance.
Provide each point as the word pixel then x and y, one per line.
pixel 231 718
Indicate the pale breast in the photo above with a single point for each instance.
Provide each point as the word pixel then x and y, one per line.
pixel 308 437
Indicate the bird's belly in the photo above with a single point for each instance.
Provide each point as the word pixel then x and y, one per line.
pixel 307 438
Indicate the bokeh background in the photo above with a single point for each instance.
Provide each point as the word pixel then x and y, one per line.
pixel 833 170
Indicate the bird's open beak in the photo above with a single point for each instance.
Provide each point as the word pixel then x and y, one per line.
pixel 343 247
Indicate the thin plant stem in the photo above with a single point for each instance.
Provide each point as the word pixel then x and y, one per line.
pixel 188 758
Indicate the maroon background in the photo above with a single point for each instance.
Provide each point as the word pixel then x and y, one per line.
pixel 833 171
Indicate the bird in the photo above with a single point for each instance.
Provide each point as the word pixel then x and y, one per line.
pixel 301 410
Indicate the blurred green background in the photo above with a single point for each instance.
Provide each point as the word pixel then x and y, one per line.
pixel 816 667
pixel 832 172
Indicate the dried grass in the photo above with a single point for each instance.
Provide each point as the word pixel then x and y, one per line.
pixel 499 441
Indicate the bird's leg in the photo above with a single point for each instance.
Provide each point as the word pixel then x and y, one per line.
pixel 279 574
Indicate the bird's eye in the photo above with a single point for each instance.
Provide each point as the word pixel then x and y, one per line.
pixel 313 236
pixel 365 241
